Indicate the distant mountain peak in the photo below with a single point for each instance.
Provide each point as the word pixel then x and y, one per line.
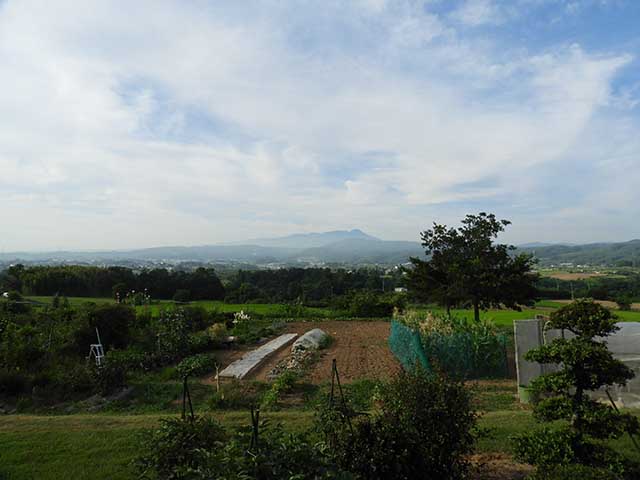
pixel 312 239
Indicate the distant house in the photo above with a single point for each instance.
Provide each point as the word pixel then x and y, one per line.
pixel 400 290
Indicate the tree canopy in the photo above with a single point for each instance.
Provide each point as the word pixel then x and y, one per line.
pixel 465 265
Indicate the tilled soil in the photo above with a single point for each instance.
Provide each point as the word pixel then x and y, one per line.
pixel 360 349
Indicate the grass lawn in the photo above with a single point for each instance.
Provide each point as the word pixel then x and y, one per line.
pixel 103 446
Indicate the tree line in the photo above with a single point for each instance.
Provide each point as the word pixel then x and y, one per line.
pixel 600 288
pixel 88 281
pixel 307 285
pixel 303 285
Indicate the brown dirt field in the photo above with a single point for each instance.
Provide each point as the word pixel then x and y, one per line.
pixel 605 303
pixel 360 348
pixel 575 276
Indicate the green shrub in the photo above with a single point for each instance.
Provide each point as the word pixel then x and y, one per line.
pixel 112 321
pixel 283 384
pixel 200 342
pixel 217 332
pixel 172 334
pixel 424 430
pixel 182 296
pixel 178 446
pixel 75 379
pixel 362 393
pixel 237 395
pixel 278 455
pixel 108 378
pixel 624 302
pixel 202 450
pixel 369 304
pixel 195 365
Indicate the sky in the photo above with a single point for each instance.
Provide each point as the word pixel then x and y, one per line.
pixel 136 124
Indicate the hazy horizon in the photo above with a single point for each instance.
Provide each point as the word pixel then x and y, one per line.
pixel 256 241
pixel 163 123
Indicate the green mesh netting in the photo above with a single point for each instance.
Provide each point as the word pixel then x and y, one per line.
pixel 467 355
pixel 406 345
pixel 462 354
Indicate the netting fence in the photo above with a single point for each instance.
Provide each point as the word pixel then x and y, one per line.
pixel 468 355
pixel 406 345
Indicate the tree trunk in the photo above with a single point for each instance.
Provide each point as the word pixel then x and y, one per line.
pixel 476 310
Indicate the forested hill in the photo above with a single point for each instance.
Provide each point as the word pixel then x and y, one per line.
pixel 610 254
pixel 352 247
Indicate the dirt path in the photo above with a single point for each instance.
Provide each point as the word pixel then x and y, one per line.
pixel 360 348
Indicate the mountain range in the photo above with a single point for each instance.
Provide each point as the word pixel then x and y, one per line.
pixel 353 247
pixel 609 254
pixel 347 247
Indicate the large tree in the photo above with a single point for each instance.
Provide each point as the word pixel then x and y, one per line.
pixel 465 265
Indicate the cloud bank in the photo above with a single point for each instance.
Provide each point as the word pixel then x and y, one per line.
pixel 130 124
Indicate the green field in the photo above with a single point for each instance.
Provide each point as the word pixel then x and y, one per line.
pixel 266 309
pixel 505 318
pixel 501 318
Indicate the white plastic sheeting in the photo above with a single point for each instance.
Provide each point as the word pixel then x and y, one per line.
pixel 241 368
pixel 312 340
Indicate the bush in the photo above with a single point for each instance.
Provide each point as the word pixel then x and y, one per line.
pixel 624 302
pixel 195 365
pixel 112 321
pixel 283 384
pixel 182 296
pixel 279 455
pixel 202 450
pixel 369 305
pixel 217 332
pixel 178 446
pixel 108 378
pixel 172 334
pixel 423 430
pixel 200 342
pixel 237 395
pixel 196 317
pixel 75 378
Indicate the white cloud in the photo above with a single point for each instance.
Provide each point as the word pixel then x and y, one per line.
pixel 479 12
pixel 184 123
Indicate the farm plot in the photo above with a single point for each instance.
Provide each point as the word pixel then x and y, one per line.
pixel 360 349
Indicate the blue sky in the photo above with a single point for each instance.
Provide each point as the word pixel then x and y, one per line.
pixel 132 124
